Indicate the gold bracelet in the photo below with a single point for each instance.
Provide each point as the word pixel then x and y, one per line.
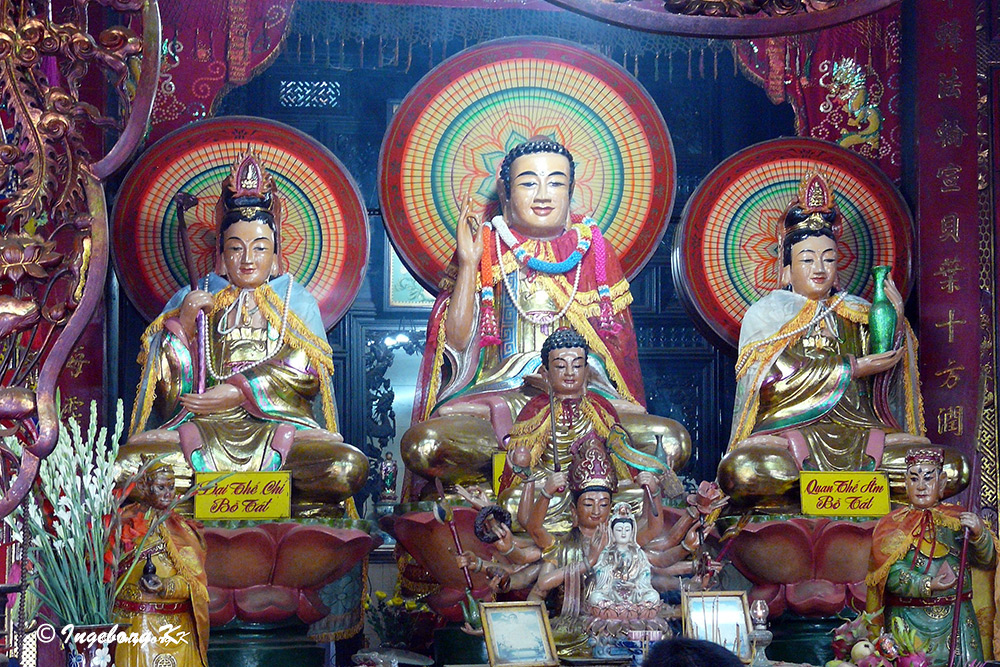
pixel 509 551
pixel 546 493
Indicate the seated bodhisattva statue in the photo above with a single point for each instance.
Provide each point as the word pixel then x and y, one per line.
pixel 519 278
pixel 267 362
pixel 810 393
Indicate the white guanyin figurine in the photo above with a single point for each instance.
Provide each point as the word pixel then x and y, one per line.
pixel 622 577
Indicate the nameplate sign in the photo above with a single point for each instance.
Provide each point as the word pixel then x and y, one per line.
pixel 256 496
pixel 846 493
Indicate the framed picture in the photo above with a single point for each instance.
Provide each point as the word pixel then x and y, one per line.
pixel 722 617
pixel 518 634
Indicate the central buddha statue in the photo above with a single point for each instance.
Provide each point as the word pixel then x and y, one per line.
pixel 810 393
pixel 516 279
pixel 267 362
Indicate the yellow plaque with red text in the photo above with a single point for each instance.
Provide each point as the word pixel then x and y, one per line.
pixel 846 493
pixel 257 496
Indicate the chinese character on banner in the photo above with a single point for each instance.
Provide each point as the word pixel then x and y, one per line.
pixel 951 375
pixel 949 85
pixel 950 133
pixel 949 228
pixel 948 175
pixel 950 420
pixel 947 35
pixel 948 272
pixel 950 323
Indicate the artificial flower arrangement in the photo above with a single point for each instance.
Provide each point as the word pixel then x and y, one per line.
pixel 76 539
pixel 855 645
pixel 394 619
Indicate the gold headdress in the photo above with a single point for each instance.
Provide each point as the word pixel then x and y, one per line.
pixel 813 208
pixel 249 193
pixel 592 469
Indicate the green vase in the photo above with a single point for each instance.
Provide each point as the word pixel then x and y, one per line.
pixel 470 611
pixel 882 316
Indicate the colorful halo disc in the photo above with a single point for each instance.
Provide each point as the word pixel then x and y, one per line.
pixel 452 130
pixel 324 234
pixel 725 248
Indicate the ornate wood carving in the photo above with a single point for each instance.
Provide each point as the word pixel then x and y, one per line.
pixel 726 18
pixel 54 235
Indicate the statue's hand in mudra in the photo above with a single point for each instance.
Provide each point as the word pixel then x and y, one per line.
pixel 195 301
pixel 872 364
pixel 219 398
pixel 469 236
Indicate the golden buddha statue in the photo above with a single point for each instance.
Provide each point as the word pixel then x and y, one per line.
pixel 267 362
pixel 518 278
pixel 165 591
pixel 810 394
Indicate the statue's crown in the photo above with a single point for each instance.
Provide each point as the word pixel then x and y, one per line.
pixel 917 455
pixel 622 512
pixel 249 190
pixel 813 207
pixel 592 469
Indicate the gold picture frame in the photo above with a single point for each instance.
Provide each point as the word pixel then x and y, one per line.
pixel 518 634
pixel 722 617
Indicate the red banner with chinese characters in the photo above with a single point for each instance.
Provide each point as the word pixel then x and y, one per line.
pixel 946 213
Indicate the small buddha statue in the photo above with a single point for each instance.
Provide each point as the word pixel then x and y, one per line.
pixel 810 393
pixel 268 402
pixel 516 279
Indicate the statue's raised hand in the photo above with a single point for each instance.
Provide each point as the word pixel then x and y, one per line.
pixel 469 236
pixel 556 483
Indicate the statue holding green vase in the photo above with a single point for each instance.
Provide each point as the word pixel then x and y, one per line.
pixel 882 318
pixel 815 388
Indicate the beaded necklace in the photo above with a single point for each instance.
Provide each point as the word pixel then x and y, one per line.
pixel 210 361
pixel 583 237
pixel 588 239
pixel 535 318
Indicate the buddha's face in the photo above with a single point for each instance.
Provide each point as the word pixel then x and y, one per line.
pixel 567 371
pixel 159 491
pixel 925 482
pixel 539 197
pixel 248 253
pixel 622 533
pixel 593 509
pixel 813 270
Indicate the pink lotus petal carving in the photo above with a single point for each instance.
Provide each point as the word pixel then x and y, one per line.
pixel 811 566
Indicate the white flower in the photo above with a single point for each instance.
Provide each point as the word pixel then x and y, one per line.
pixel 102 657
pixel 65 510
